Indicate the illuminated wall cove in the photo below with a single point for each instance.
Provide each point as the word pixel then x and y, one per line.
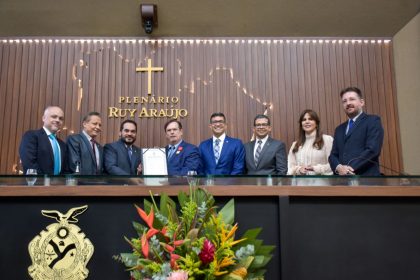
pixel 152 81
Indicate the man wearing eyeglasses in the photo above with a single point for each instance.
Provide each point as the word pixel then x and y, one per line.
pixel 221 154
pixel 265 155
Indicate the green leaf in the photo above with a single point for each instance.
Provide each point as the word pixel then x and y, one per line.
pixel 227 213
pixel 182 198
pixel 147 205
pixel 129 259
pixel 139 228
pixel 251 234
pixel 165 203
pixel 265 250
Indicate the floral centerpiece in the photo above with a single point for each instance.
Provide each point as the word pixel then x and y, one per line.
pixel 194 241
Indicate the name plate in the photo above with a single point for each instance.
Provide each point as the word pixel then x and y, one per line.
pixel 154 161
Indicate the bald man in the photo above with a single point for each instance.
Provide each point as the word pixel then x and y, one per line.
pixel 41 149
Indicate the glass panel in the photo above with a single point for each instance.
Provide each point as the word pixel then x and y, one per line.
pixel 72 180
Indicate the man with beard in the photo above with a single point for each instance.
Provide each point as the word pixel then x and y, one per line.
pixel 84 152
pixel 41 149
pixel 358 141
pixel 122 157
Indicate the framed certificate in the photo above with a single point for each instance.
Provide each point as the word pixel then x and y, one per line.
pixel 154 161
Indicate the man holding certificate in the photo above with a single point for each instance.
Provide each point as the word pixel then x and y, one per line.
pixel 123 157
pixel 181 156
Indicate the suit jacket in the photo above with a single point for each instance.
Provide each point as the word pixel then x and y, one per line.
pixel 272 158
pixel 361 147
pixel 116 160
pixel 186 158
pixel 36 152
pixel 80 150
pixel 231 161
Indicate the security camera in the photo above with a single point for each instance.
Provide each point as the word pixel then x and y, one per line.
pixel 148 17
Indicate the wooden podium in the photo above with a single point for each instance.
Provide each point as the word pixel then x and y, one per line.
pixel 347 228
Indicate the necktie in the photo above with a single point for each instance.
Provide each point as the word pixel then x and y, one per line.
pixel 56 152
pixel 94 153
pixel 257 152
pixel 130 152
pixel 351 123
pixel 216 150
pixel 171 151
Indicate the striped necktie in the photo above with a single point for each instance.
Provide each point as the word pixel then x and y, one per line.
pixel 56 152
pixel 130 152
pixel 216 150
pixel 258 152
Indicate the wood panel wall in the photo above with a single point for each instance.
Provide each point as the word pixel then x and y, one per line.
pixel 240 77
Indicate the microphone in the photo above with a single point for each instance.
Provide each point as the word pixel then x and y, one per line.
pixel 399 172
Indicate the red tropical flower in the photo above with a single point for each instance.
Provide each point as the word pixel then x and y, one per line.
pixel 171 249
pixel 152 231
pixel 207 252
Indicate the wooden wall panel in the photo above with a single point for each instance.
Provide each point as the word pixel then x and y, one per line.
pixel 240 77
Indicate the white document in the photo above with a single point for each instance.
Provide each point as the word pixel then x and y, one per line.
pixel 154 162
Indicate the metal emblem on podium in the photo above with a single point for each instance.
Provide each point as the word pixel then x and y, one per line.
pixel 61 251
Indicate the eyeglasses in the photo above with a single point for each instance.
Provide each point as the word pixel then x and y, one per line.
pixel 261 125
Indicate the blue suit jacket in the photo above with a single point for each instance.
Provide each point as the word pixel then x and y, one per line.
pixel 36 152
pixel 186 158
pixel 231 161
pixel 361 147
pixel 116 160
pixel 80 150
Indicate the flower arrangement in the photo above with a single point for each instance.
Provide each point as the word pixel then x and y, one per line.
pixel 194 242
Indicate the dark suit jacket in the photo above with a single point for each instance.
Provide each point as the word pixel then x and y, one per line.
pixel 80 150
pixel 231 161
pixel 116 160
pixel 361 147
pixel 186 158
pixel 36 152
pixel 272 160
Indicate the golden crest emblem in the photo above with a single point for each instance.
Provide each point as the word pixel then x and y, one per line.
pixel 61 251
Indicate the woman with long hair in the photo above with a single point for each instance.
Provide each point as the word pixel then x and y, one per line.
pixel 309 154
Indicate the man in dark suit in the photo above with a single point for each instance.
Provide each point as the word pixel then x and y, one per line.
pixel 357 142
pixel 85 155
pixel 41 149
pixel 123 157
pixel 221 154
pixel 181 156
pixel 265 155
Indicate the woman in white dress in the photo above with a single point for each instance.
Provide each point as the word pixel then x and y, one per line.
pixel 309 154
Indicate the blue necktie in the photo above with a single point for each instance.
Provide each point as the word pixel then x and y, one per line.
pixel 56 152
pixel 351 123
pixel 171 151
pixel 130 152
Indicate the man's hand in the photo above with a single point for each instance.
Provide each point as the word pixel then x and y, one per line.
pixel 139 169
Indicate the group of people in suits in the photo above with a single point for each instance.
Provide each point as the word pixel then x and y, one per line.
pixel 355 148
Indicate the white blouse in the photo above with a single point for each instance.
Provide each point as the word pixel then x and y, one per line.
pixel 308 155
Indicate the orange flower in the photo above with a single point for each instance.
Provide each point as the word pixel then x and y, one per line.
pixel 152 231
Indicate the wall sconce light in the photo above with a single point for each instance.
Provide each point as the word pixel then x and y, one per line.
pixel 149 18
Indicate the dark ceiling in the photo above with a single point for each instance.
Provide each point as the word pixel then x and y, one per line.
pixel 203 18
